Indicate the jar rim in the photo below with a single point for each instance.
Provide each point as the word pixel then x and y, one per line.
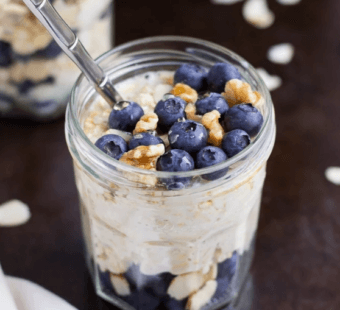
pixel 104 160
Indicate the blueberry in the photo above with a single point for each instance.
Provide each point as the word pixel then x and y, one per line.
pixel 214 101
pixel 112 145
pixel 175 161
pixel 52 50
pixel 125 115
pixel 46 107
pixel 245 117
pixel 5 54
pixel 142 300
pixel 220 74
pixel 174 304
pixel 209 156
pixel 193 75
pixel 107 12
pixel 235 141
pixel 189 136
pixel 228 267
pixel 144 138
pixel 226 271
pixel 6 103
pixel 147 290
pixel 27 85
pixel 156 285
pixel 105 282
pixel 169 111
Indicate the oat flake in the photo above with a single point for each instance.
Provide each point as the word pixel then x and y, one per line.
pixel 14 213
pixel 281 53
pixel 332 174
pixel 257 13
pixel 288 2
pixel 272 81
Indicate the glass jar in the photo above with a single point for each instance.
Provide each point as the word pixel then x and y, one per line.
pixel 36 77
pixel 148 247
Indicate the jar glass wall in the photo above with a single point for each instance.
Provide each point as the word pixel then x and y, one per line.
pixel 36 77
pixel 148 247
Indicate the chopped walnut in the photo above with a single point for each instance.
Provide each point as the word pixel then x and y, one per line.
pixel 144 157
pixel 185 92
pixel 237 91
pixel 147 122
pixel 216 132
pixel 190 111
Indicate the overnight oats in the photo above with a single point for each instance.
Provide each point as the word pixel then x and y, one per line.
pixel 170 180
pixel 36 77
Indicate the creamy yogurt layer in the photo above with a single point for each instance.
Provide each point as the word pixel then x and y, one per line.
pixel 191 236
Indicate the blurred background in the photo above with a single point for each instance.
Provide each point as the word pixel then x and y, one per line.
pixel 296 265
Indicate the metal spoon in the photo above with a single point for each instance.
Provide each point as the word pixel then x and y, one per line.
pixel 74 49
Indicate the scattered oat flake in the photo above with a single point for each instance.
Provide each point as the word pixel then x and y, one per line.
pixel 288 2
pixel 257 13
pixel 333 175
pixel 281 53
pixel 272 81
pixel 227 2
pixel 14 213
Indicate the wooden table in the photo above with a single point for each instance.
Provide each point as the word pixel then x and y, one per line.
pixel 298 246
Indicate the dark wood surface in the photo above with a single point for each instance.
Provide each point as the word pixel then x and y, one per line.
pixel 297 260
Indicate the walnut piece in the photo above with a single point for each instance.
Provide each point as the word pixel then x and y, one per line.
pixel 190 111
pixel 144 157
pixel 147 122
pixel 237 91
pixel 216 132
pixel 185 92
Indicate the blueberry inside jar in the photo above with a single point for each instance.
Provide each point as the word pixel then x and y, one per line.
pixel 172 226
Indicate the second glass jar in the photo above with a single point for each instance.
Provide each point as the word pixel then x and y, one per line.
pixel 36 77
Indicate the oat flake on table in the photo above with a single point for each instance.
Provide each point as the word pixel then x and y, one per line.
pixel 281 53
pixel 272 81
pixel 14 213
pixel 227 2
pixel 288 2
pixel 332 174
pixel 258 14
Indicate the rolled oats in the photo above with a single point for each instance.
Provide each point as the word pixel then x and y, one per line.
pixel 147 102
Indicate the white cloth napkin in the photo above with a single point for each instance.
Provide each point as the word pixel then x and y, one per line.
pixel 6 298
pixel 30 296
pixel 20 294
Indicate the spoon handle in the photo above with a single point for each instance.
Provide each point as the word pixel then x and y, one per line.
pixel 73 48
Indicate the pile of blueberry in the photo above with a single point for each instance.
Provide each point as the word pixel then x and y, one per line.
pixel 8 58
pixel 188 139
pixel 149 292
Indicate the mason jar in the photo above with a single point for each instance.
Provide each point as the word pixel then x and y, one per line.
pixel 151 248
pixel 36 77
